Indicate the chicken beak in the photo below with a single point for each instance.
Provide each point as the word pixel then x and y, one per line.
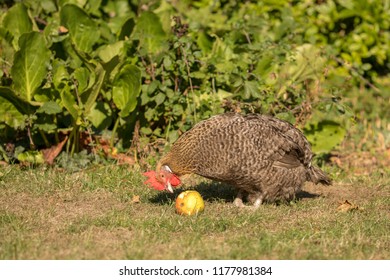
pixel 169 187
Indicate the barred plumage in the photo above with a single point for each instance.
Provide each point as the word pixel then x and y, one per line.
pixel 265 158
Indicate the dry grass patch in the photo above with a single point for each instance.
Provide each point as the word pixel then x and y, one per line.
pixel 48 214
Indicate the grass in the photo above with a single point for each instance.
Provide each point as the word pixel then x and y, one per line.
pixel 51 214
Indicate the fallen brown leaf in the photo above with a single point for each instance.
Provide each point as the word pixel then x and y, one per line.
pixel 347 206
pixel 51 153
pixel 136 199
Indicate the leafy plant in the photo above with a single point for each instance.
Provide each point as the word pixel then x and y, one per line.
pixel 61 82
pixel 140 72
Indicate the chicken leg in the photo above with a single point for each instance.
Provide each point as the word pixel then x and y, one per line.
pixel 257 200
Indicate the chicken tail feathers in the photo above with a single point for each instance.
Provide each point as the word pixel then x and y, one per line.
pixel 316 175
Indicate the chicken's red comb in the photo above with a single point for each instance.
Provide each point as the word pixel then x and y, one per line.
pixel 152 181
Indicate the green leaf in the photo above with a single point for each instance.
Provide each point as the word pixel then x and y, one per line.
pixel 160 97
pixel 81 75
pixel 126 89
pixel 34 157
pixel 20 104
pixel 108 52
pixel 264 65
pixel 48 5
pixel 146 130
pixel 305 63
pixel 30 65
pixel 10 115
pixel 286 116
pixel 43 95
pixel 177 110
pixel 204 42
pixel 324 135
pixel 60 75
pixel 100 115
pixel 69 102
pixel 89 97
pixel 50 108
pixel 93 6
pixel 127 28
pixel 17 22
pixel 150 33
pixel 221 51
pixel 47 127
pixel 82 29
pixel 172 136
pixel 309 63
pixel 251 89
pixel 149 114
pixel 222 94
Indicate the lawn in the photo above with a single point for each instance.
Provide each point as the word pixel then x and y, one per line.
pixel 122 80
pixel 48 213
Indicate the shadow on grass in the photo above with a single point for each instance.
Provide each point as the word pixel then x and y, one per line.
pixel 210 191
pixel 214 192
pixel 305 194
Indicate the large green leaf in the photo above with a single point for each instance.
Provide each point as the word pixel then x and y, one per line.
pixel 20 104
pixel 108 52
pixel 82 29
pixel 305 63
pixel 324 135
pixel 127 86
pixel 204 42
pixel 69 102
pixel 127 28
pixel 30 65
pixel 60 75
pixel 150 33
pixel 100 115
pixel 10 115
pixel 89 97
pixel 82 76
pixel 17 22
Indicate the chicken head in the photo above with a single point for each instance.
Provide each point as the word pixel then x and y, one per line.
pixel 163 180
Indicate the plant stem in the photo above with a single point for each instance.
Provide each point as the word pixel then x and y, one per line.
pixel 75 136
pixel 47 143
pixel 57 138
pixel 114 132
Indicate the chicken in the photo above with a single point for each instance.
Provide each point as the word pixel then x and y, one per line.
pixel 264 158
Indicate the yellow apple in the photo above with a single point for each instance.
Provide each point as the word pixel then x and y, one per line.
pixel 189 203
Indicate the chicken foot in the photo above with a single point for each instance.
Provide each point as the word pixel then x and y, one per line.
pixel 238 201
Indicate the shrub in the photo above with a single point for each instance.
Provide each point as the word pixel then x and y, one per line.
pixel 82 69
